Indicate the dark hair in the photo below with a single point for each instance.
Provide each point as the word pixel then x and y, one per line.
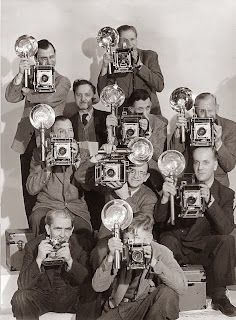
pixel 59 118
pixel 64 213
pixel 126 27
pixel 45 44
pixel 193 149
pixel 203 96
pixel 138 94
pixel 80 82
pixel 141 220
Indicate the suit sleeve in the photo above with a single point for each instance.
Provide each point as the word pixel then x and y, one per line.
pixel 158 139
pixel 169 271
pixel 161 212
pixel 104 81
pixel 103 278
pixel 30 272
pixel 226 155
pixel 37 178
pixel 222 215
pixel 152 74
pixel 146 205
pixel 13 92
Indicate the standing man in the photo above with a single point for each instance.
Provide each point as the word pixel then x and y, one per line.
pixel 54 288
pixel 25 140
pixel 204 240
pixel 206 106
pixel 146 73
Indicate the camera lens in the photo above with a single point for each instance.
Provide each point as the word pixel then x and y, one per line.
pixel 191 200
pixel 201 131
pixel 62 151
pixel 111 173
pixel 44 78
pixel 137 256
pixel 130 132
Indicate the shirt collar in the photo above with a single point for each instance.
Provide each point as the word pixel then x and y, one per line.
pixel 89 114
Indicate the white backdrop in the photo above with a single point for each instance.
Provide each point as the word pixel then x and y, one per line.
pixel 195 41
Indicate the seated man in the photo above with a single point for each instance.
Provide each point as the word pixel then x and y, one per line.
pixel 153 128
pixel 54 288
pixel 24 141
pixel 53 185
pixel 146 73
pixel 224 135
pixel 148 292
pixel 204 240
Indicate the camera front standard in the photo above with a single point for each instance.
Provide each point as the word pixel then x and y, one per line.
pixel 44 79
pixel 201 132
pixel 133 255
pixel 52 259
pixel 62 151
pixel 122 61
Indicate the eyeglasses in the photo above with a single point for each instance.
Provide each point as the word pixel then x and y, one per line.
pixel 133 172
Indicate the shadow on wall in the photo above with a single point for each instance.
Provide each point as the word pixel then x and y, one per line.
pixel 226 94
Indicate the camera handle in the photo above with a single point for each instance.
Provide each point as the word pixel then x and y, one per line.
pixel 26 73
pixel 117 252
pixel 182 113
pixel 109 64
pixel 172 206
pixel 42 134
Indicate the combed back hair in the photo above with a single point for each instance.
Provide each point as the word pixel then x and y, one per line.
pixel 193 149
pixel 58 213
pixel 45 44
pixel 141 220
pixel 126 27
pixel 138 94
pixel 203 96
pixel 80 82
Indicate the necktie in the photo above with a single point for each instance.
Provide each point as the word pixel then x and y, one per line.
pixel 84 119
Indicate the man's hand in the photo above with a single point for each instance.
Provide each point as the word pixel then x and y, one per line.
pixel 74 147
pixel 64 252
pixel 107 58
pixel 205 192
pixel 168 189
pixel 26 91
pixel 49 161
pixel 108 148
pixel 181 121
pixel 24 65
pixel 113 245
pixel 218 136
pixel 121 190
pixel 111 121
pixel 44 249
pixel 143 124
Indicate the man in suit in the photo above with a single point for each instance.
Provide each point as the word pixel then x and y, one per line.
pixel 54 288
pixel 146 73
pixel 204 240
pixel 224 134
pixel 88 123
pixel 153 128
pixel 148 293
pixel 25 141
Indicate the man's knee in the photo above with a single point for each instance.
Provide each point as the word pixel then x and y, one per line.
pixel 20 301
pixel 168 301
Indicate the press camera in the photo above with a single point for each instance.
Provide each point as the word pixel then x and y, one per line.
pixel 62 151
pixel 52 259
pixel 122 60
pixel 111 169
pixel 133 255
pixel 201 132
pixel 191 202
pixel 44 78
pixel 130 127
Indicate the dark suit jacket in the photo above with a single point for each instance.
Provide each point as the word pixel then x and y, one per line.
pixel 149 77
pixel 226 155
pixel 95 129
pixel 31 277
pixel 218 219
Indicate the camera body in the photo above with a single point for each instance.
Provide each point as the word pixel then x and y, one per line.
pixel 201 132
pixel 51 259
pixel 130 127
pixel 44 78
pixel 122 61
pixel 191 202
pixel 62 151
pixel 133 255
pixel 111 170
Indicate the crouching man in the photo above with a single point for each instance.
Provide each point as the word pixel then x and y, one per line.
pixel 53 269
pixel 148 289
